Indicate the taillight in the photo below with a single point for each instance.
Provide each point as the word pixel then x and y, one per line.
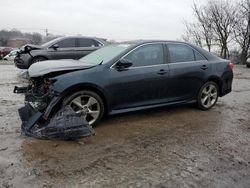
pixel 231 66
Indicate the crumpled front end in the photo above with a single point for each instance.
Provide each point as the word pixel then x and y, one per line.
pixel 39 119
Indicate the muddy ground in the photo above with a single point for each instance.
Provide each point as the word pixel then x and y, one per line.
pixel 168 147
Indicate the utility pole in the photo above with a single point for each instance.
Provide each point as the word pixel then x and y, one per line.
pixel 46 32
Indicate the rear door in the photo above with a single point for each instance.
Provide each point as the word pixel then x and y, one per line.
pixel 86 46
pixel 66 49
pixel 145 83
pixel 188 69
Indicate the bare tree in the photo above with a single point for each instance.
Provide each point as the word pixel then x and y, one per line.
pixel 242 30
pixel 36 38
pixel 223 18
pixel 200 32
pixel 205 25
pixel 193 34
pixel 214 25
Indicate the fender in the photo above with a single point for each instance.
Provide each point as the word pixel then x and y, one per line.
pixel 217 80
pixel 57 100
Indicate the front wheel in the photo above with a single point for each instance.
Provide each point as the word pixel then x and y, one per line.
pixel 88 103
pixel 208 95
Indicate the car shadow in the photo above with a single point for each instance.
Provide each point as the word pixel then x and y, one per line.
pixel 148 113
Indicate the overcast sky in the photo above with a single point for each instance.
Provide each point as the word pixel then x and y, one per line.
pixel 112 19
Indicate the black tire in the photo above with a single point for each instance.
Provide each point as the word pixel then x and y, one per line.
pixel 69 99
pixel 37 59
pixel 201 104
pixel 248 65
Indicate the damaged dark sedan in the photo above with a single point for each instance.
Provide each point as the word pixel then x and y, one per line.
pixel 120 78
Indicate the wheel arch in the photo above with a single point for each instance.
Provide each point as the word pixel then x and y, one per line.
pixel 37 56
pixel 216 80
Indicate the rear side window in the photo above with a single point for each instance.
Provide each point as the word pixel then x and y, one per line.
pixel 151 54
pixel 67 43
pixel 180 53
pixel 88 43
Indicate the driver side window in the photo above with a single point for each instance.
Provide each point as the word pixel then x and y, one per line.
pixel 151 54
pixel 67 43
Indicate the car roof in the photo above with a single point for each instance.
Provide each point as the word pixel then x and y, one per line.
pixel 139 42
pixel 102 40
pixel 208 55
pixel 77 36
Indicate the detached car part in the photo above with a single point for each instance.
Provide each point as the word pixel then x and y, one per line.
pixel 65 125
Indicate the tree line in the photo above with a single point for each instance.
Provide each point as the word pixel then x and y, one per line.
pixel 221 24
pixel 34 38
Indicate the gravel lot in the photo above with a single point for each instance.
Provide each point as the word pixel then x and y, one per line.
pixel 168 147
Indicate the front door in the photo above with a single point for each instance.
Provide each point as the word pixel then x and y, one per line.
pixel 145 83
pixel 66 49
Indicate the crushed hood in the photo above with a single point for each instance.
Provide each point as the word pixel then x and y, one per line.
pixel 45 67
pixel 28 47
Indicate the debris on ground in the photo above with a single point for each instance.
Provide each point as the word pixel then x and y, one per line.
pixel 65 125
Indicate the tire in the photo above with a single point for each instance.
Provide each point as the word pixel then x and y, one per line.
pixel 208 95
pixel 37 59
pixel 248 65
pixel 81 101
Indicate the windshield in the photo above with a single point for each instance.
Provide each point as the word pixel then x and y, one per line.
pixel 104 54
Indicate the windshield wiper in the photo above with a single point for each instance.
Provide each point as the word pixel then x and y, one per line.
pixel 100 63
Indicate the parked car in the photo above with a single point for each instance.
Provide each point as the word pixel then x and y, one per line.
pixel 11 55
pixel 4 51
pixel 126 77
pixel 60 48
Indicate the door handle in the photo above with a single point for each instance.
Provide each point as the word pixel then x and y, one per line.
pixel 204 67
pixel 162 72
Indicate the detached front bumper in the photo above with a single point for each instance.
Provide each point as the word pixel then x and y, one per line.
pixel 65 124
pixel 22 60
pixel 29 117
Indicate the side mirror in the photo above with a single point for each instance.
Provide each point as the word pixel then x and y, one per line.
pixel 123 64
pixel 55 46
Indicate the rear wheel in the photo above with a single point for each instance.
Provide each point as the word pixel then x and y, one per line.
pixel 208 95
pixel 88 103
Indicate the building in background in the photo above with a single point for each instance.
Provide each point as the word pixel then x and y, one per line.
pixel 18 42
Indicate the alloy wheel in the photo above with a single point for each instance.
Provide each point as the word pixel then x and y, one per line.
pixel 87 105
pixel 209 96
